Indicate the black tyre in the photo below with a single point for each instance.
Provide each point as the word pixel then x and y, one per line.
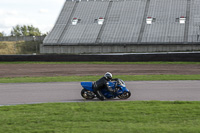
pixel 125 95
pixel 87 94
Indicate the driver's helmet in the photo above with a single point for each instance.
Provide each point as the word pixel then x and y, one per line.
pixel 108 76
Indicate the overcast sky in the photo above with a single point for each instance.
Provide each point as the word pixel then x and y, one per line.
pixel 39 13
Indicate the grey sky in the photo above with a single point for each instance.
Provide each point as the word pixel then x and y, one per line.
pixel 39 13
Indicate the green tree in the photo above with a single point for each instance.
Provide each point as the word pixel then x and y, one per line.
pixel 2 34
pixel 33 31
pixel 25 30
pixel 16 31
pixel 45 34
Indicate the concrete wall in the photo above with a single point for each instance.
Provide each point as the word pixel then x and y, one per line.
pixel 114 48
pixel 22 38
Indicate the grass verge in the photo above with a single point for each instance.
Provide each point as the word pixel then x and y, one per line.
pixel 102 117
pixel 18 47
pixel 94 78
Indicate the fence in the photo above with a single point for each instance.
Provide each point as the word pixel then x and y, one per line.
pixel 22 38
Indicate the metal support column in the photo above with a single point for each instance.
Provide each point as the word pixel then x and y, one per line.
pixel 187 21
pixel 143 21
pixel 104 24
pixel 68 23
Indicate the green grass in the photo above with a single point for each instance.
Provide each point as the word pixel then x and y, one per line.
pixel 102 117
pixel 94 78
pixel 28 62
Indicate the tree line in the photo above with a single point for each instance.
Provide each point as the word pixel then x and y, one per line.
pixel 24 30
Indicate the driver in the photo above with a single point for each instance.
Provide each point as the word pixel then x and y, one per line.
pixel 101 84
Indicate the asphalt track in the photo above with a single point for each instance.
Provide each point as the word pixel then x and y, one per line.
pixel 30 93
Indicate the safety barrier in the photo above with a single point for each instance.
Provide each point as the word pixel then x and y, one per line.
pixel 194 56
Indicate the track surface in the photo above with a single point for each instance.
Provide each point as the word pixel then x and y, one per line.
pixel 29 93
pixel 35 70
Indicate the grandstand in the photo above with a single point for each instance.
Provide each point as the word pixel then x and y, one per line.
pixel 112 26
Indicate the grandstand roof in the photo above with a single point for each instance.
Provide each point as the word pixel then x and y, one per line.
pixel 125 21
